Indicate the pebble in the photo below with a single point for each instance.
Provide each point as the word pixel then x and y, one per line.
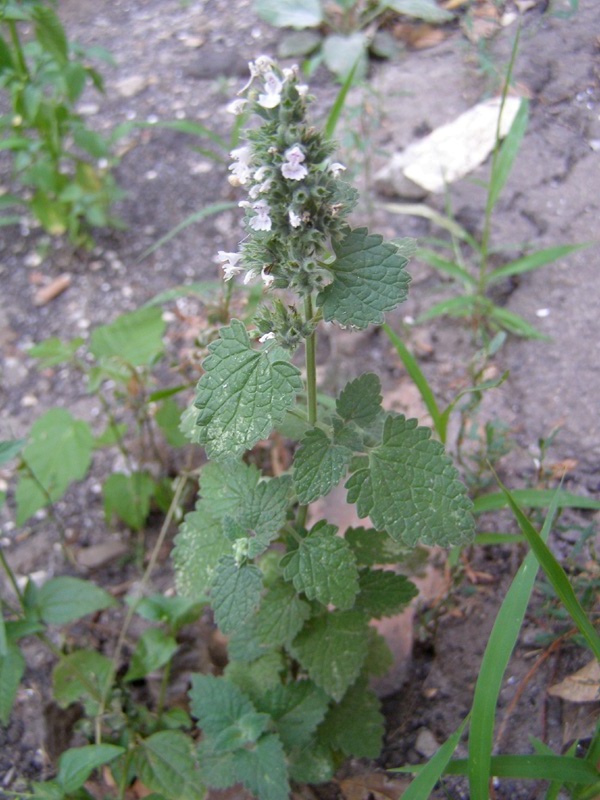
pixel 29 400
pixel 426 745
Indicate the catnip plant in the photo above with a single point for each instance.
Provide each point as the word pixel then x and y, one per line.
pixel 293 594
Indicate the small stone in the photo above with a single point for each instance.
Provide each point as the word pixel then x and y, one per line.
pixel 32 260
pixel 426 744
pixel 29 400
pixel 132 85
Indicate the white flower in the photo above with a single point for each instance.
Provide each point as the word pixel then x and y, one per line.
pixel 295 219
pixel 336 168
pixel 262 65
pixel 240 169
pixel 267 279
pixel 262 220
pixel 293 168
pixel 236 106
pixel 266 336
pixel 302 89
pixel 249 276
pixel 259 188
pixel 272 94
pixel 261 173
pixel 229 264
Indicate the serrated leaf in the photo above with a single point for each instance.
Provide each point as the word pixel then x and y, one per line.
pixel 62 600
pixel 81 676
pixel 243 393
pixel 383 593
pixel 259 676
pixel 153 650
pixel 372 547
pixel 360 400
pixel 199 545
pixel 410 488
pixel 315 762
pixel 380 658
pixel 296 709
pixel 165 763
pixel 217 704
pixel 332 649
pixel 175 611
pixel 368 279
pixel 135 338
pixel 355 725
pixel 12 667
pixel 319 465
pixel 59 452
pixel 323 567
pixel 263 769
pixel 281 616
pixel 77 764
pixel 235 593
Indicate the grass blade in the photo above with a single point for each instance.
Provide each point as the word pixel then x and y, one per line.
pixel 455 307
pixel 536 768
pixel 534 498
pixel 446 267
pixel 420 381
pixel 534 261
pixel 422 786
pixel 498 651
pixel 197 216
pixel 513 323
pixel 508 152
pixel 422 210
pixel 338 105
pixel 556 575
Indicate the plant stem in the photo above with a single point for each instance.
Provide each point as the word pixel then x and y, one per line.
pixel 11 577
pixel 311 364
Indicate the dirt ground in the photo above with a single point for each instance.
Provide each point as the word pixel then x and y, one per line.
pixel 178 59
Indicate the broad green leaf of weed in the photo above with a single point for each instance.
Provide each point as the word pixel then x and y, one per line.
pixel 136 337
pixel 281 616
pixel 153 650
pixel 379 658
pixel 257 677
pixel 81 676
pixel 65 599
pixel 425 10
pixel 314 762
pixel 10 449
pixel 12 668
pixel 323 568
pixel 368 279
pixel 217 704
pixel 290 13
pixel 355 725
pixel 174 611
pixel 243 394
pixel 319 465
pixel 59 452
pixel 199 545
pixel 332 649
pixel 409 487
pixel 372 547
pixel 360 400
pixel 235 593
pixel 382 593
pixel 54 351
pixel 128 497
pixel 77 764
pixel 50 33
pixel 168 417
pixel 165 763
pixel 346 55
pixel 296 709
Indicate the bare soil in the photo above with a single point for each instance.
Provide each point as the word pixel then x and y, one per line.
pixel 179 59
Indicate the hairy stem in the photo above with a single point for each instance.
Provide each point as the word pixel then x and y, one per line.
pixel 311 388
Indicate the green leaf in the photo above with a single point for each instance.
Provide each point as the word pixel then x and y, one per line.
pixel 290 13
pixel 154 649
pixel 65 599
pixel 355 725
pixel 235 593
pixel 12 667
pixel 77 764
pixel 319 465
pixel 218 704
pixel 332 649
pixel 50 33
pixel 168 417
pixel 533 261
pixel 258 676
pixel 81 676
pixel 338 104
pixel 368 279
pixel 263 769
pixel 11 448
pixel 379 658
pixel 59 452
pixel 360 400
pixel 446 267
pixel 128 497
pixel 165 763
pixel 534 498
pixel 135 338
pixel 243 394
pixel 346 55
pixel 515 324
pixel 565 769
pixel 508 152
pixel 199 545
pixel 296 709
pixel 324 568
pixel 426 10
pixel 372 547
pixel 54 351
pixel 383 593
pixel 281 616
pixel 411 489
pixel 174 611
pixel 463 306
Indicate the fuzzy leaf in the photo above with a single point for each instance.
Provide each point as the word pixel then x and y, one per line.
pixel 135 337
pixel 235 593
pixel 332 649
pixel 81 676
pixel 383 593
pixel 319 465
pixel 154 649
pixel 380 658
pixel 360 400
pixel 409 487
pixel 12 667
pixel 165 763
pixel 243 394
pixel 296 709
pixel 355 725
pixel 128 497
pixel 372 547
pixel 199 545
pixel 217 704
pixel 323 567
pixel 261 675
pixel 64 599
pixel 368 279
pixel 77 764
pixel 281 616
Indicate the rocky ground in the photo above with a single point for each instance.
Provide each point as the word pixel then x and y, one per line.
pixel 176 59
